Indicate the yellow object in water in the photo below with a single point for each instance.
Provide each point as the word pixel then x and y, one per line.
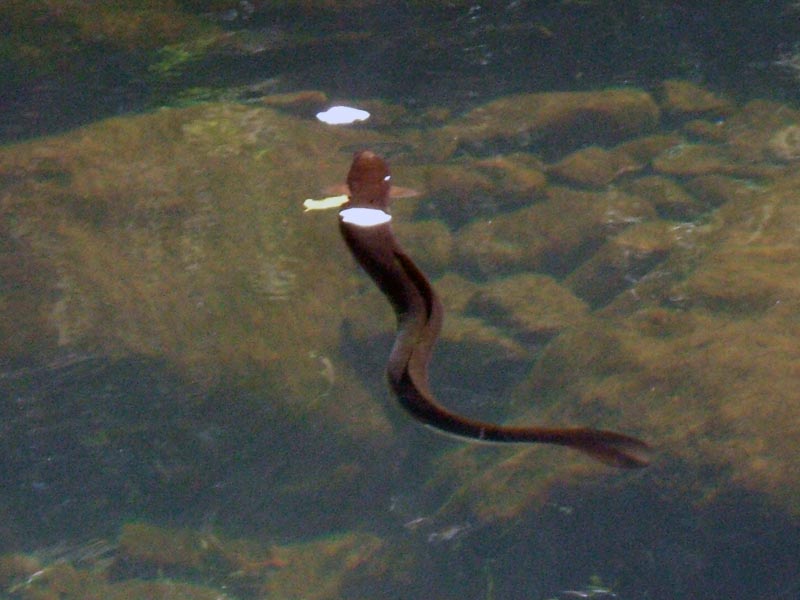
pixel 325 203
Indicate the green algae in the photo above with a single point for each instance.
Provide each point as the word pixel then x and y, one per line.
pixel 699 364
pixel 187 242
pixel 63 581
pixel 149 561
pixel 551 236
pixel 554 122
pixel 172 59
pixel 41 34
pixel 688 352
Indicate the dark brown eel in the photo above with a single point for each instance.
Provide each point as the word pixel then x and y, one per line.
pixel 419 321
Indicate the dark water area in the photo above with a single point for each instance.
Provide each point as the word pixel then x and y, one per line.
pixel 458 54
pixel 192 391
pixel 88 444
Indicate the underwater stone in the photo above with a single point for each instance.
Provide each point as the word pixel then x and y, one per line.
pixel 785 144
pixel 556 121
pixel 594 166
pixel 685 97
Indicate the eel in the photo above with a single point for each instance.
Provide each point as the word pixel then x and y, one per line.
pixel 366 228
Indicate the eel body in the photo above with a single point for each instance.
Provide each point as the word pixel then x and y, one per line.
pixel 366 228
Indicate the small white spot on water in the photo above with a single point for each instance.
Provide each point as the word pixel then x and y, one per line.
pixel 365 217
pixel 342 115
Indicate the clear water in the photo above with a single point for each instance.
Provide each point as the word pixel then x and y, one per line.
pixel 95 435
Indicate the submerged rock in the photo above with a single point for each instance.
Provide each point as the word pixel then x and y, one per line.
pixel 594 167
pixel 552 236
pixel 554 122
pixel 693 159
pixel 686 98
pixel 663 306
pixel 697 358
pixel 668 197
pixel 65 582
pixel 467 190
pixel 326 569
pixel 177 235
pixel 751 131
pixel 178 238
pixel 754 262
pixel 785 144
pixel 621 262
pixel 716 190
pixel 534 306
